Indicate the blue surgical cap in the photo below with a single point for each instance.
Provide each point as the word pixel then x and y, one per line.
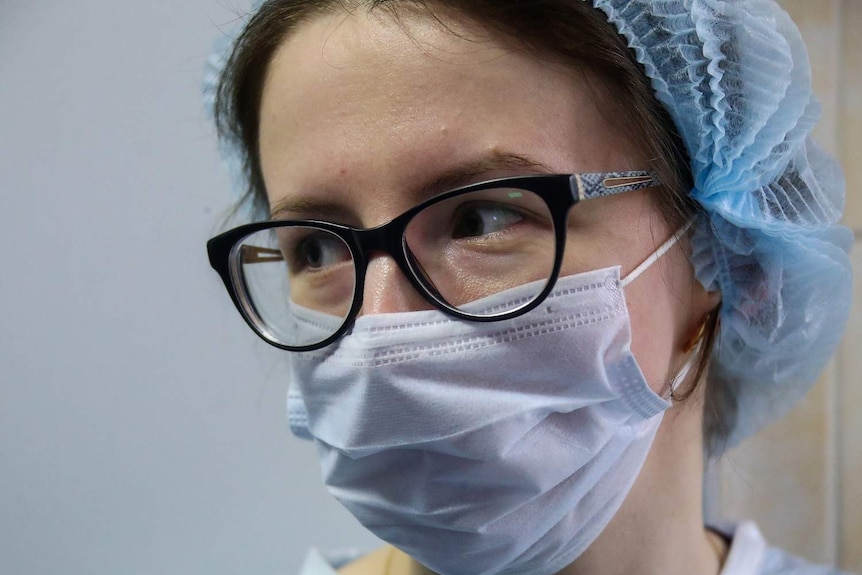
pixel 735 79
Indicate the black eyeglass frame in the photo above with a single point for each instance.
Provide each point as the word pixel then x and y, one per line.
pixel 559 191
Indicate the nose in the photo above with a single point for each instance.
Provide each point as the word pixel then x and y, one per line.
pixel 387 290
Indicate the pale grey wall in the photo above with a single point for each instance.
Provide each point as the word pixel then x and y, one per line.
pixel 142 425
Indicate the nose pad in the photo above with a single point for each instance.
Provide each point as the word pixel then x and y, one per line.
pixel 387 289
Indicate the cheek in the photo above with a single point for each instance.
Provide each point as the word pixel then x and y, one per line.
pixel 655 321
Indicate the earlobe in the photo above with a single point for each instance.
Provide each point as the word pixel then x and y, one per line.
pixel 697 336
pixel 713 302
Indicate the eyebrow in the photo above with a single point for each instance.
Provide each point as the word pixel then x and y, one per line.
pixel 461 175
pixel 470 172
pixel 322 210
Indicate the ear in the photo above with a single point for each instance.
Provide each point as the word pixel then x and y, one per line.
pixel 704 304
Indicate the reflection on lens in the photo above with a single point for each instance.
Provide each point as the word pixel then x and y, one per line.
pixel 299 282
pixel 475 245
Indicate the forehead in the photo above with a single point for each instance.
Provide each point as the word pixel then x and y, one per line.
pixel 379 102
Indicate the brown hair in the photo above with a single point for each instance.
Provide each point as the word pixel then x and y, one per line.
pixel 567 31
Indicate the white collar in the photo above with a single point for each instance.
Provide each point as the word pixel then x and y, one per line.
pixel 747 549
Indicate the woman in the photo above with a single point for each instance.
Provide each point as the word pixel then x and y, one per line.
pixel 502 239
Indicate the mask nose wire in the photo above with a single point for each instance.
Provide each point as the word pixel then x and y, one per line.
pixel 662 250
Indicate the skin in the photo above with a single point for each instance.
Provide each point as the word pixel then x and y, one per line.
pixel 362 114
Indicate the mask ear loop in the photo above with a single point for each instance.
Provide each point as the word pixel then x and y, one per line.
pixel 633 275
pixel 684 371
pixel 653 258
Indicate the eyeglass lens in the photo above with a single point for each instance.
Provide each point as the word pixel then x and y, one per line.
pixel 300 282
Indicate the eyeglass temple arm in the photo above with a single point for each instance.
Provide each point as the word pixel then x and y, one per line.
pixel 257 255
pixel 599 184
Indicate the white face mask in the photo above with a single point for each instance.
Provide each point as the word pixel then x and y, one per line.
pixel 484 448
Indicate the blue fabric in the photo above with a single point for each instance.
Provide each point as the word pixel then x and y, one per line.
pixel 736 80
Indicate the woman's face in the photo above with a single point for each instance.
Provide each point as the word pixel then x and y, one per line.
pixel 363 117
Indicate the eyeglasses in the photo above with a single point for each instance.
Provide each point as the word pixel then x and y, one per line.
pixel 299 283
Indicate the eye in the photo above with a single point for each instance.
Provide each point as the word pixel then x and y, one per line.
pixel 317 251
pixel 482 218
